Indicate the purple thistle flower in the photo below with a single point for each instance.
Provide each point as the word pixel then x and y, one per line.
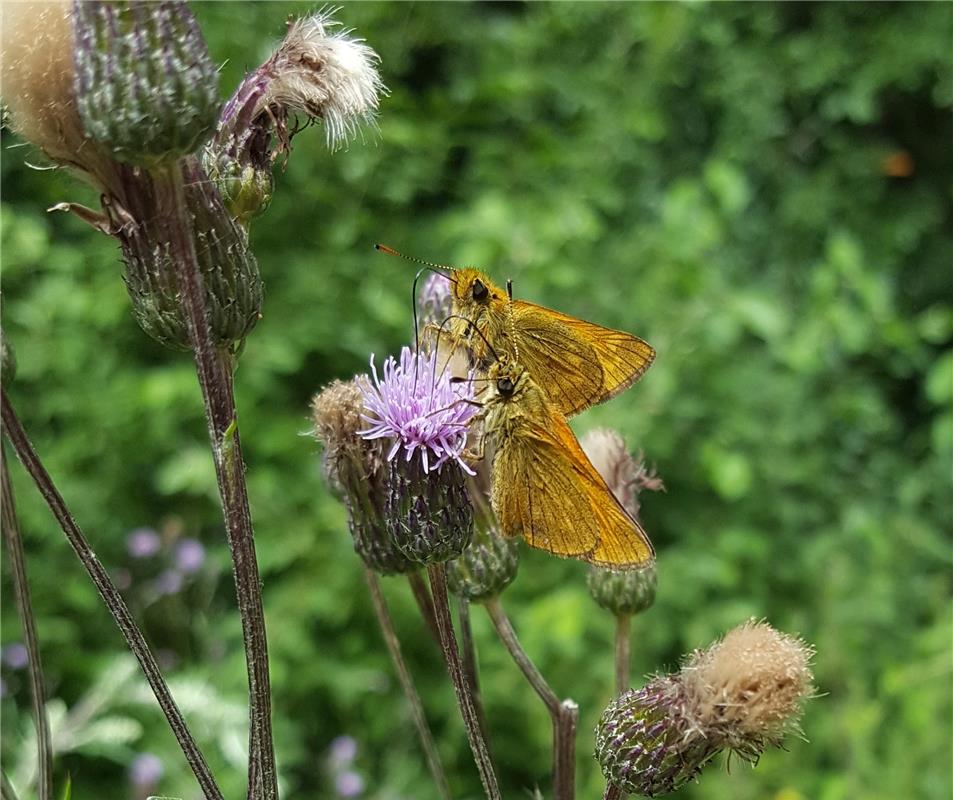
pixel 349 784
pixel 434 301
pixel 189 556
pixel 342 750
pixel 419 408
pixel 145 770
pixel 143 542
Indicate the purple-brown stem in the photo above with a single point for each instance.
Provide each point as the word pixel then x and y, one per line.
pixel 21 588
pixel 424 602
pixel 622 636
pixel 17 437
pixel 470 667
pixel 451 654
pixel 564 713
pixel 214 368
pixel 407 683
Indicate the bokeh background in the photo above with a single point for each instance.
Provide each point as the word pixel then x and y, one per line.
pixel 763 191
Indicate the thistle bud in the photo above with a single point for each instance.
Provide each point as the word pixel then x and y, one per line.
pixel 356 471
pixel 8 359
pixel 434 300
pixel 742 694
pixel 486 567
pixel 145 85
pixel 623 591
pixel 425 417
pixel 232 282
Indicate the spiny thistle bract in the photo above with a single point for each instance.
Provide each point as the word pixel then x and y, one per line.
pixel 742 693
pixel 356 471
pixel 629 591
pixel 145 85
pixel 428 511
pixel 486 567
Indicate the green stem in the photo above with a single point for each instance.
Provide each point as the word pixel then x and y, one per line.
pixel 470 667
pixel 17 437
pixel 451 654
pixel 564 714
pixel 622 637
pixel 213 367
pixel 21 588
pixel 407 683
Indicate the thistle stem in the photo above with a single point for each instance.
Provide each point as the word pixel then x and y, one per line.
pixel 6 790
pixel 564 714
pixel 21 588
pixel 470 667
pixel 622 636
pixel 424 602
pixel 407 683
pixel 451 654
pixel 213 367
pixel 17 437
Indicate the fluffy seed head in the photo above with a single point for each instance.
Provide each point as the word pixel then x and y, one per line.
pixel 355 469
pixel 742 693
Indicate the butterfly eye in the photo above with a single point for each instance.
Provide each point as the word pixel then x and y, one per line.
pixel 505 387
pixel 480 291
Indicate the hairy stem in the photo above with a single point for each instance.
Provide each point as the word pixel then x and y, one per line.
pixel 622 636
pixel 21 588
pixel 451 654
pixel 14 432
pixel 424 602
pixel 214 369
pixel 564 714
pixel 470 667
pixel 407 684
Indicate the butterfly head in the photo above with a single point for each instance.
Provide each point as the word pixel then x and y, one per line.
pixel 473 291
pixel 508 379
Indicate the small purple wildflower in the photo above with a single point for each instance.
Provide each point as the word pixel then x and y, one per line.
pixel 342 750
pixel 145 770
pixel 15 655
pixel 189 556
pixel 421 410
pixel 169 582
pixel 349 784
pixel 143 542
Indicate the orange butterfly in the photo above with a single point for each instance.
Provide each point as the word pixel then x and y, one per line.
pixel 543 485
pixel 577 363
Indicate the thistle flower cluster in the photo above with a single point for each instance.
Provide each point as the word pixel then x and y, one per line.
pixel 742 693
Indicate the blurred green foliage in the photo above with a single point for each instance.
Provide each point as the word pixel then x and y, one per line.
pixel 762 191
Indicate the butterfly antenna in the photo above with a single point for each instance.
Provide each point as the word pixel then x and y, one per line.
pixel 441 269
pixel 510 322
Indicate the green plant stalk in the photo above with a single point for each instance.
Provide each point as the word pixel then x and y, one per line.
pixel 451 654
pixel 21 588
pixel 23 448
pixel 622 637
pixel 6 790
pixel 407 684
pixel 470 667
pixel 214 369
pixel 564 714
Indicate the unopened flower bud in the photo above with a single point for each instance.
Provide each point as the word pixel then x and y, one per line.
pixel 356 471
pixel 434 300
pixel 232 282
pixel 145 85
pixel 742 694
pixel 625 475
pixel 623 591
pixel 486 567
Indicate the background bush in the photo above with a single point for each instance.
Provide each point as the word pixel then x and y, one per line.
pixel 761 191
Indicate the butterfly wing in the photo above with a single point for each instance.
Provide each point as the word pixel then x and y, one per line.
pixel 546 489
pixel 577 363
